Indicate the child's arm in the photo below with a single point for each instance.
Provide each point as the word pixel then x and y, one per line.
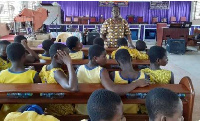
pixel 117 88
pixel 37 78
pixel 172 78
pixel 70 84
pixel 32 57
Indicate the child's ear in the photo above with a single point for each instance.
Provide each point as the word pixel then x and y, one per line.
pixel 118 63
pixel 95 58
pixel 55 56
pixel 163 118
pixel 157 60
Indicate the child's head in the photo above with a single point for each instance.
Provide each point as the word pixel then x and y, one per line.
pixel 164 105
pixel 3 46
pixel 98 41
pixel 46 44
pixel 16 52
pixel 122 42
pixel 122 56
pixel 158 55
pixel 73 43
pixel 104 105
pixel 53 51
pixel 19 38
pixel 97 54
pixel 141 45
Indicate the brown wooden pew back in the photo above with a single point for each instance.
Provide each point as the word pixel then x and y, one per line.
pixel 85 50
pixel 110 62
pixel 185 86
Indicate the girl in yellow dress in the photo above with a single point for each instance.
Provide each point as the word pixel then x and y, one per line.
pixel 54 74
pixel 16 74
pixel 46 44
pixel 4 62
pixel 126 76
pixel 75 47
pixel 158 57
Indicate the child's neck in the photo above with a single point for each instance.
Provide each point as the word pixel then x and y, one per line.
pixel 127 67
pixel 154 66
pixel 46 53
pixel 53 65
pixel 92 64
pixel 73 50
pixel 17 67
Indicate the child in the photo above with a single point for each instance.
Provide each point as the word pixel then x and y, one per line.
pixel 158 57
pixel 16 73
pixel 4 62
pixel 93 72
pixel 164 105
pixel 135 54
pixel 104 105
pixel 75 47
pixel 141 46
pixel 46 44
pixel 127 75
pixel 31 113
pixel 54 74
pixel 100 41
pixel 31 56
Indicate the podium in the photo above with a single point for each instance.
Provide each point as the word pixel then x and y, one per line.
pixel 175 33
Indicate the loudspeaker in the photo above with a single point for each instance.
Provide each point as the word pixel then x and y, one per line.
pixel 176 46
pixel 90 37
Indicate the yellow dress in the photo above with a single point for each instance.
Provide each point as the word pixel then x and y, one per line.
pixel 6 76
pixel 28 116
pixel 128 108
pixel 87 75
pixel 55 109
pixel 4 64
pixel 77 55
pixel 158 76
pixel 44 57
pixel 135 54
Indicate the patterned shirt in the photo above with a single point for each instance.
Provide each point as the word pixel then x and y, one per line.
pixel 114 30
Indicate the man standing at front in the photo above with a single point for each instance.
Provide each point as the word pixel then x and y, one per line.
pixel 115 28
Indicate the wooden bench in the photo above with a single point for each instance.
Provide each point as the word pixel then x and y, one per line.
pixel 39 65
pixel 85 50
pixel 184 87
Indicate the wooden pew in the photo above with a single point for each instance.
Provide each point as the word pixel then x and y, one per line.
pixel 39 65
pixel 184 87
pixel 85 50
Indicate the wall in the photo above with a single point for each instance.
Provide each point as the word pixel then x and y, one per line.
pixel 4 31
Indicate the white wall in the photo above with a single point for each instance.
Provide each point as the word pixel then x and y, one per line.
pixel 194 22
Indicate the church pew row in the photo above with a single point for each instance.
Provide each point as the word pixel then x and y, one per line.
pixel 85 50
pixel 184 87
pixel 111 64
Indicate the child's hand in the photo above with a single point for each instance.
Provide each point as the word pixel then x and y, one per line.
pixel 64 57
pixel 142 83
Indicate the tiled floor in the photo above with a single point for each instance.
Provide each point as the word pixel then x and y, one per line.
pixel 187 65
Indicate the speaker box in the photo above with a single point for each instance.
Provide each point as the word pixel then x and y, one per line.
pixel 176 46
pixel 90 37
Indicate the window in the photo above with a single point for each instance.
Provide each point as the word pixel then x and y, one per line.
pixel 10 9
pixel 196 10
